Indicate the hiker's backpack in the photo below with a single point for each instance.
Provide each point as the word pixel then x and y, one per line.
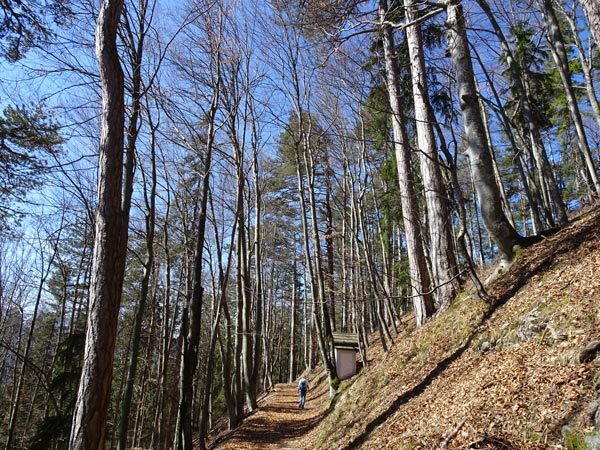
pixel 302 385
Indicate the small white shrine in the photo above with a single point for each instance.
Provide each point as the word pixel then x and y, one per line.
pixel 346 348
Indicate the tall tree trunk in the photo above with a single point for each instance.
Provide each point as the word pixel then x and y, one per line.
pixel 313 264
pixel 16 397
pixel 586 63
pixel 220 306
pixel 419 274
pixel 136 53
pixel 329 248
pixel 480 158
pixel 459 200
pixel 443 260
pixel 535 202
pixel 258 260
pixel 189 360
pixel 245 290
pixel 110 245
pixel 322 320
pixel 383 329
pixel 546 179
pixel 162 418
pixel 293 314
pixel 560 56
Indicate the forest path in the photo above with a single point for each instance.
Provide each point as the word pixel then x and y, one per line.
pixel 278 423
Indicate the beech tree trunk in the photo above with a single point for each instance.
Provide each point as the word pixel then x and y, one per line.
pixel 502 232
pixel 293 314
pixel 191 329
pixel 136 52
pixel 419 274
pixel 15 406
pixel 545 176
pixel 220 306
pixel 533 197
pixel 443 260
pixel 110 245
pixel 591 9
pixel 586 63
pixel 560 56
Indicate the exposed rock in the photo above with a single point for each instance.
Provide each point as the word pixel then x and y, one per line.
pixel 556 335
pixel 591 413
pixel 592 441
pixel 533 326
pixel 590 352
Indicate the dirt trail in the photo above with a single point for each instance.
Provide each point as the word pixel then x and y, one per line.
pixel 278 423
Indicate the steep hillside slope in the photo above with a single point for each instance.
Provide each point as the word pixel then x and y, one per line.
pixel 480 376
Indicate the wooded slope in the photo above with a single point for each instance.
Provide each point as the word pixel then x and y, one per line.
pixel 508 376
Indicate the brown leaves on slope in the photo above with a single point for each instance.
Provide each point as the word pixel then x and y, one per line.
pixel 511 374
pixel 473 377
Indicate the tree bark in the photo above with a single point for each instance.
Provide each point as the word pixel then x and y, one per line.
pixel 419 274
pixel 110 245
pixel 258 258
pixel 443 260
pixel 220 307
pixel 535 202
pixel 136 50
pixel 14 409
pixel 189 359
pixel 591 9
pixel 478 151
pixel 323 322
pixel 560 56
pixel 586 63
pixel 293 314
pixel 545 176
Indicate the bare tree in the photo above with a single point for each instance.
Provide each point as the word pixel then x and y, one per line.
pixel 135 44
pixel 46 267
pixel 192 320
pixel 420 281
pixel 545 179
pixel 443 260
pixel 559 53
pixel 478 151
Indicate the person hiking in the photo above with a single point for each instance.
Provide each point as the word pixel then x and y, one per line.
pixel 303 389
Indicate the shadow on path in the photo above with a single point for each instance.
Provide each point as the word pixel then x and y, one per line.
pixel 277 421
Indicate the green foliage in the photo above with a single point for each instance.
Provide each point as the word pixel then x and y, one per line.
pixel 574 441
pixel 335 383
pixel 25 24
pixel 27 138
pixel 390 199
pixel 317 18
pixel 55 428
pixel 377 116
pixel 531 60
pixel 299 133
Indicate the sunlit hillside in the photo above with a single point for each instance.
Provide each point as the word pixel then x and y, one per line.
pixel 511 376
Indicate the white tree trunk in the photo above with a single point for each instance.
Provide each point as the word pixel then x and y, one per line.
pixel 592 12
pixel 559 54
pixel 443 261
pixel 419 274
pixel 488 194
